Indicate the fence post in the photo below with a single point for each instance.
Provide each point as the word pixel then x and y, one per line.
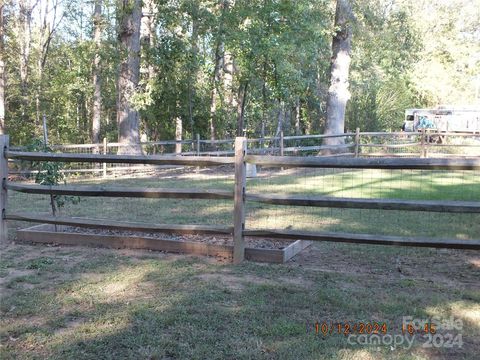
pixel 281 143
pixel 198 144
pixel 282 146
pixel 197 169
pixel 3 177
pixel 422 144
pixel 239 199
pixel 425 154
pixel 357 142
pixel 45 131
pixel 104 153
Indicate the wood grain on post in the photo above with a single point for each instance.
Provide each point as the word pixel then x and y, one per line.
pixel 3 177
pixel 239 199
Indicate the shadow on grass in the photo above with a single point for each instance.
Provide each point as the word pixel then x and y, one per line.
pixel 191 309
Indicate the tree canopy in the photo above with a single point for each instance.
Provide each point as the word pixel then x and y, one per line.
pixel 224 66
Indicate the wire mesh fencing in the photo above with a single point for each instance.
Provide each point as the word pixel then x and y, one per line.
pixel 378 185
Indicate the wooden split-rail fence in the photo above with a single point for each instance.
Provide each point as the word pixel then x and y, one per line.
pixel 240 195
pixel 422 144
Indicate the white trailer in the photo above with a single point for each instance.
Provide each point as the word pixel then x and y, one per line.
pixel 443 119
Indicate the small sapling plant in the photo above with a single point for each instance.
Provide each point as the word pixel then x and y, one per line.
pixel 49 173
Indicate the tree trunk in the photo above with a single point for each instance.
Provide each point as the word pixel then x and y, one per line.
pixel 25 20
pixel 242 98
pixel 219 63
pixel 228 71
pixel 129 13
pixel 178 134
pixel 216 80
pixel 280 118
pixel 147 43
pixel 338 93
pixel 97 80
pixel 2 75
pixel 192 76
pixel 297 117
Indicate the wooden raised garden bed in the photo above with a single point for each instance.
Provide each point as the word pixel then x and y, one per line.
pixel 45 233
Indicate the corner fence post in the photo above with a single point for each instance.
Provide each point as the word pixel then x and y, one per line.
pixel 239 200
pixel 4 140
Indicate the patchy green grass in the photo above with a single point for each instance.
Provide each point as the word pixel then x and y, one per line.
pixel 114 304
pixel 85 303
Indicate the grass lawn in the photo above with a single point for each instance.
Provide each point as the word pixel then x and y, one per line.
pixel 78 302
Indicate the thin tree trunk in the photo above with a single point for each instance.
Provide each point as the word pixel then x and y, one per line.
pixel 178 134
pixel 264 101
pixel 97 80
pixel 216 80
pixel 297 117
pixel 242 98
pixel 280 118
pixel 147 42
pixel 192 76
pixel 129 12
pixel 219 64
pixel 338 93
pixel 48 27
pixel 228 71
pixel 44 32
pixel 2 74
pixel 25 20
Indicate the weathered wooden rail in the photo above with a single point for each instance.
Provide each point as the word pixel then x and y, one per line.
pixel 357 144
pixel 240 195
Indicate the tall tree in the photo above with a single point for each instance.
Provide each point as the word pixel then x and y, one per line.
pixel 129 19
pixel 218 66
pixel 24 32
pixel 2 74
pixel 338 93
pixel 97 80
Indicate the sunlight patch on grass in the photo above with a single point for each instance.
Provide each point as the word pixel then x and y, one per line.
pixel 362 354
pixel 467 312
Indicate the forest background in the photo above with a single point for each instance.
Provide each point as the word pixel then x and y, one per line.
pixel 164 69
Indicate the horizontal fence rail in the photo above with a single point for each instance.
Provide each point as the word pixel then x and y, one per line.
pixel 364 163
pixel 127 159
pixel 120 225
pixel 425 143
pixel 367 239
pixel 112 191
pixel 377 204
